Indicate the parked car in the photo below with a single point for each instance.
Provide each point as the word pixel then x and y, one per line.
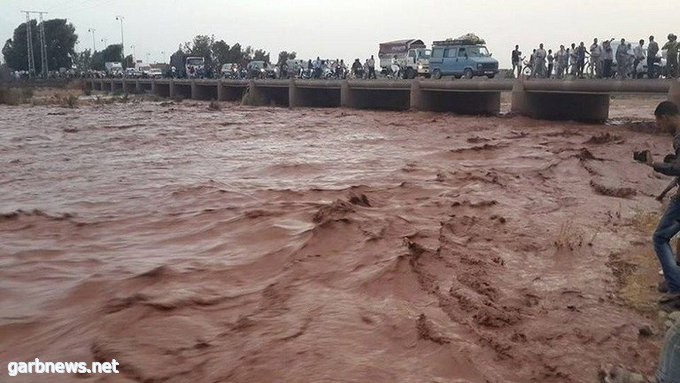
pixel 261 69
pixel 230 71
pixel 155 73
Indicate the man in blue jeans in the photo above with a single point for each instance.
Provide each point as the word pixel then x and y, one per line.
pixel 668 370
pixel 668 120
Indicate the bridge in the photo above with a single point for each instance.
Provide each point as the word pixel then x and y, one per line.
pixel 579 100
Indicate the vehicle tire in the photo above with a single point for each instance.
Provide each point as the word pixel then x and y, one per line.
pixel 410 73
pixel 467 73
pixel 436 74
pixel 490 75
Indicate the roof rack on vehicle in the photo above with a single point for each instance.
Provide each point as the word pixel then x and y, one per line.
pixel 458 42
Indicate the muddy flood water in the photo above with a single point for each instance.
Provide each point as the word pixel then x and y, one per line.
pixel 326 245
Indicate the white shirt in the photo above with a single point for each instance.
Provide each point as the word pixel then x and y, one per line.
pixel 595 50
pixel 639 52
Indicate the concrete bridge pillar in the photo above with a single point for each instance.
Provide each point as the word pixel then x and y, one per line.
pixel 346 100
pixel 417 101
pixel 293 98
pixel 560 105
pixel 221 96
pixel 454 100
pixel 138 87
pixel 519 103
pixel 171 89
pixel 194 90
pixel 674 93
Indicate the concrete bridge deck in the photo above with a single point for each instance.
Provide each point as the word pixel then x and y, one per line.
pixel 581 100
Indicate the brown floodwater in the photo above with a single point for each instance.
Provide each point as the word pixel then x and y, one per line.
pixel 322 245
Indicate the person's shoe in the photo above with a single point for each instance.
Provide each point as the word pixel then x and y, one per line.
pixel 670 297
pixel 669 303
pixel 662 287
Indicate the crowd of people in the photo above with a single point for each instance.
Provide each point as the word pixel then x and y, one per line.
pixel 609 59
pixel 310 69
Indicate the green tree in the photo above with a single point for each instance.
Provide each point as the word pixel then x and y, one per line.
pixel 261 55
pixel 177 60
pixel 129 62
pixel 83 60
pixel 201 46
pixel 60 42
pixel 220 52
pixel 112 53
pixel 285 56
pixel 235 54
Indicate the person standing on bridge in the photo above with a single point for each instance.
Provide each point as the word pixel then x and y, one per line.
pixel 517 61
pixel 596 58
pixel 580 59
pixel 607 59
pixel 639 53
pixel 672 55
pixel 371 68
pixel 539 62
pixel 562 58
pixel 573 60
pixel 621 57
pixel 550 59
pixel 317 68
pixel 652 50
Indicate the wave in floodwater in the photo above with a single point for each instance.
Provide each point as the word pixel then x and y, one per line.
pixel 263 244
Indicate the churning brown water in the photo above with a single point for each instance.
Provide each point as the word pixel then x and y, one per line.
pixel 311 245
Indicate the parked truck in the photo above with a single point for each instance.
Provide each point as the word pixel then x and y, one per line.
pixel 412 56
pixel 195 67
pixel 113 69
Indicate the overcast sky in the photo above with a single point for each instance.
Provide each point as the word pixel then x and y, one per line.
pixel 349 28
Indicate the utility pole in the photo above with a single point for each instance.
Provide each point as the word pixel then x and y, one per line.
pixel 43 47
pixel 29 44
pixel 43 44
pixel 94 46
pixel 122 40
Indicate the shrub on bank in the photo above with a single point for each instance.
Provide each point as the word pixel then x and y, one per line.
pixel 15 96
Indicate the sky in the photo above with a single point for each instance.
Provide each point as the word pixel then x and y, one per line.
pixel 348 29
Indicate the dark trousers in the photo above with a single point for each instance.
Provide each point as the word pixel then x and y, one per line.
pixel 607 68
pixel 371 72
pixel 672 67
pixel 651 72
pixel 580 65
